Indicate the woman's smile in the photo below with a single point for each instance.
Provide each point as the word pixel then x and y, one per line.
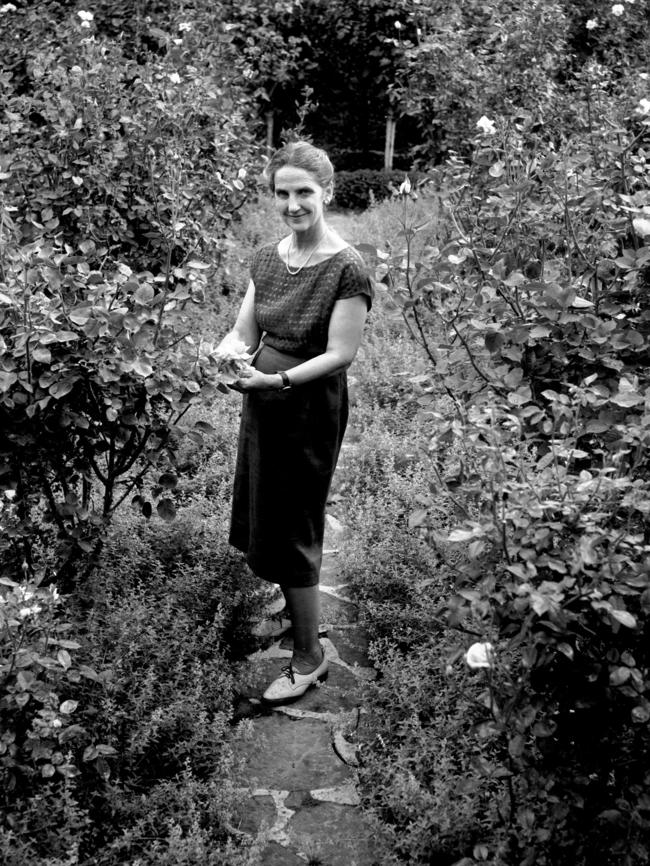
pixel 299 199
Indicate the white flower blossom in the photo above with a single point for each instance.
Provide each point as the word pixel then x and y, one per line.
pixel 8 7
pixel 618 9
pixel 86 18
pixel 486 125
pixel 643 107
pixel 591 24
pixel 480 655
pixel 184 26
pixel 10 494
pixel 174 77
pixel 24 612
pixel 641 226
pixel 398 25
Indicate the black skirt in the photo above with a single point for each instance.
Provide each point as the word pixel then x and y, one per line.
pixel 289 442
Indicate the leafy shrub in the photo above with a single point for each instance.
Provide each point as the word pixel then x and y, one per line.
pixel 95 379
pixel 135 761
pixel 120 174
pixel 141 160
pixel 420 759
pixel 532 309
pixel 47 744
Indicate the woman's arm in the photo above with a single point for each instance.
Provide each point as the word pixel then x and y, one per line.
pixel 343 339
pixel 245 328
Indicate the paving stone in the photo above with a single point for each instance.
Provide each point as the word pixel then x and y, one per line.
pixel 278 855
pixel 352 645
pixel 329 575
pixel 291 755
pixel 299 800
pixel 257 813
pixel 336 835
pixel 335 611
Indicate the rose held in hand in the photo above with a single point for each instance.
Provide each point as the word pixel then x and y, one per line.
pixel 233 362
pixel 480 655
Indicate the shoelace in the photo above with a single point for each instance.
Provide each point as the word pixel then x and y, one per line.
pixel 288 673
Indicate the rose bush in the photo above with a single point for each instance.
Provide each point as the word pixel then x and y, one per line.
pixel 531 304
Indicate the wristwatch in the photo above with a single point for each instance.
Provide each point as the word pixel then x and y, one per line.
pixel 286 381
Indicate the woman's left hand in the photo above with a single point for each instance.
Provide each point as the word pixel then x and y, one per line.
pixel 252 380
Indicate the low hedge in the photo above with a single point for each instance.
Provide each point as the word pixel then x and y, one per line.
pixel 358 189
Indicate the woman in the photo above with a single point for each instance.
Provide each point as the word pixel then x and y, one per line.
pixel 303 316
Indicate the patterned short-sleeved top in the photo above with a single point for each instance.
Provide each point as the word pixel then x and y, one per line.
pixel 294 309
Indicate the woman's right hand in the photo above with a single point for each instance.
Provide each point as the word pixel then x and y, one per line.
pixel 253 380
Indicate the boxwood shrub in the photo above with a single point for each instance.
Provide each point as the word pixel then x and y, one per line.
pixel 357 189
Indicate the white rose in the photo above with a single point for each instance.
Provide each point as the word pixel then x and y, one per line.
pixel 480 655
pixel 486 125
pixel 641 226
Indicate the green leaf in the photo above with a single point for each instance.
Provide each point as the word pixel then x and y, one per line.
pixel 494 340
pixel 142 368
pixel 516 278
pixel 42 355
pixel 627 399
pixel 79 317
pixel 166 509
pixel 60 389
pixel 144 295
pixel 463 534
pixel 63 657
pixel 619 675
pixel 624 617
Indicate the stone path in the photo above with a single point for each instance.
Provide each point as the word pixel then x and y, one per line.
pixel 300 764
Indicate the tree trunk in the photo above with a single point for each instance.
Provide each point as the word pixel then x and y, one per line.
pixel 269 130
pixel 389 148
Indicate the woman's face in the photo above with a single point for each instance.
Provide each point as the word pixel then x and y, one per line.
pixel 299 198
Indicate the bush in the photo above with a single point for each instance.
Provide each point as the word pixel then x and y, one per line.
pixel 117 719
pixel 359 189
pixel 120 175
pixel 532 309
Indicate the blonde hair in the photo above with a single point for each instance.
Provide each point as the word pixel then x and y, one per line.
pixel 304 155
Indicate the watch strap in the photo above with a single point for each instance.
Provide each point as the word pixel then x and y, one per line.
pixel 286 381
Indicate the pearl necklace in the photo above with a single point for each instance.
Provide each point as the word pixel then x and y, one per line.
pixel 307 260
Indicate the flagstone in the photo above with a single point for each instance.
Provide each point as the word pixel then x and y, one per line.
pixel 292 754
